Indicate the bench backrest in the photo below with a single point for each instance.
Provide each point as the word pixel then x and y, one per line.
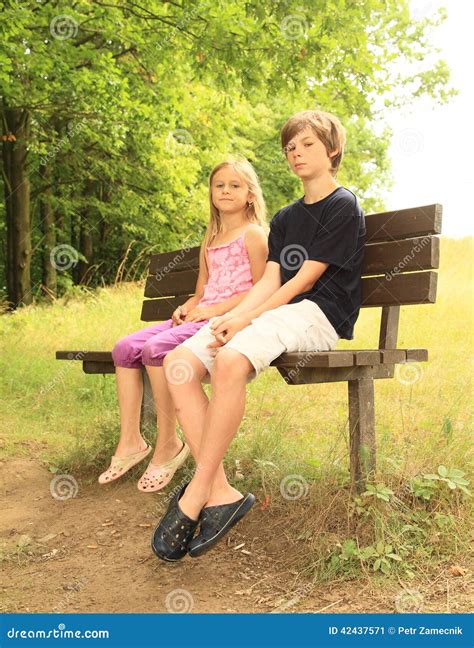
pixel 401 252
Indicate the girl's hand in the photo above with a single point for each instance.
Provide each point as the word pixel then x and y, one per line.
pixel 178 316
pixel 200 313
pixel 226 330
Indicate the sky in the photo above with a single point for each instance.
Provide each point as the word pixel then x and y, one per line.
pixel 433 145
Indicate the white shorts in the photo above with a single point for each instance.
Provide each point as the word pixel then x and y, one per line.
pixel 291 327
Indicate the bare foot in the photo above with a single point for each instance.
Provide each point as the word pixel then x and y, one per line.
pixel 166 451
pixel 191 504
pixel 227 496
pixel 127 447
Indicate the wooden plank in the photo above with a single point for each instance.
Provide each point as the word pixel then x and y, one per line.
pixel 157 310
pixel 361 431
pixel 313 375
pixel 417 355
pixel 410 288
pixel 367 357
pixel 404 223
pixel 314 359
pixel 97 356
pixel 393 356
pixel 176 283
pixel 93 367
pixel 388 334
pixel 395 257
pixel 175 261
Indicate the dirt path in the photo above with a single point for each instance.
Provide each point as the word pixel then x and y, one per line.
pixel 91 553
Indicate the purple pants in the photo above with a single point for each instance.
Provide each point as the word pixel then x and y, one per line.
pixel 150 345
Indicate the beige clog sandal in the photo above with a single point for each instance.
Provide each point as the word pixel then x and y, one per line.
pixel 120 465
pixel 157 477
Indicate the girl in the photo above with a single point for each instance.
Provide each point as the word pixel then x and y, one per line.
pixel 227 270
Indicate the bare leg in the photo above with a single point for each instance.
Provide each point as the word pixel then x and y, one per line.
pixel 129 392
pixel 191 405
pixel 168 443
pixel 221 421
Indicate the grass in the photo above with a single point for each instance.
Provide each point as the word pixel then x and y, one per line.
pixel 69 421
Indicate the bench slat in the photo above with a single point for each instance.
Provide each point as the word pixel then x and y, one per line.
pixel 337 358
pixel 176 261
pixel 395 257
pixel 409 288
pixel 157 310
pixel 404 223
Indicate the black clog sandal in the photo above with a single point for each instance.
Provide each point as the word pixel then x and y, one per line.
pixel 175 529
pixel 216 521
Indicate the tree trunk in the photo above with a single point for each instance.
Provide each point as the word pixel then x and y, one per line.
pixel 85 237
pixel 17 205
pixel 48 228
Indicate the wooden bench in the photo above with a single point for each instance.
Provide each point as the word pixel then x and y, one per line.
pixel 401 252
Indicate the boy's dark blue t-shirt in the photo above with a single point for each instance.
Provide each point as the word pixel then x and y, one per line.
pixel 332 231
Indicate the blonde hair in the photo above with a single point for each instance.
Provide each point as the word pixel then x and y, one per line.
pixel 325 126
pixel 256 211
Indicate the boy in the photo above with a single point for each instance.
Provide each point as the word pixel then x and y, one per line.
pixel 308 298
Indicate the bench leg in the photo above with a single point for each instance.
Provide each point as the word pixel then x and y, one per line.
pixel 148 411
pixel 361 431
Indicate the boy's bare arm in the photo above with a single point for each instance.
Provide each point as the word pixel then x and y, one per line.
pixel 304 280
pixel 261 291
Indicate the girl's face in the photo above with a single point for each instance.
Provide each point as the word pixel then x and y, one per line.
pixel 230 193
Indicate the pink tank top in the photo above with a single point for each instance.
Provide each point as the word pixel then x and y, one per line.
pixel 229 271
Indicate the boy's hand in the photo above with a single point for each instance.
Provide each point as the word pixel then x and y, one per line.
pixel 218 320
pixel 200 313
pixel 226 330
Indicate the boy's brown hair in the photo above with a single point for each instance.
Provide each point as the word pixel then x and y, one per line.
pixel 324 125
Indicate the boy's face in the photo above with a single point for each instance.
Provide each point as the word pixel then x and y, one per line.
pixel 307 155
pixel 229 191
